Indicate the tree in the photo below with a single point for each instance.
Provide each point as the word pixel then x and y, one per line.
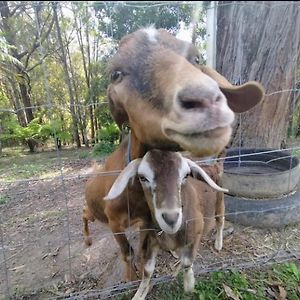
pixel 117 19
pixel 67 76
pixel 260 41
pixel 81 17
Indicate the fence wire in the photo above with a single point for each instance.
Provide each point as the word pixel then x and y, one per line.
pixel 69 186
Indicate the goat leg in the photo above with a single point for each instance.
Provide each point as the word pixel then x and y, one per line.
pixel 86 217
pixel 220 210
pixel 188 256
pixel 126 251
pixel 149 252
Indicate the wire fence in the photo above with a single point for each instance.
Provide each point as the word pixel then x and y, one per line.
pixel 41 227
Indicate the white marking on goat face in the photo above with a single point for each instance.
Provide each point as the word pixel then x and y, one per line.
pixel 161 180
pixel 151 33
pixel 184 171
pixel 169 220
pixel 146 174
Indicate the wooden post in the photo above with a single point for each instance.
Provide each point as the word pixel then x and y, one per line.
pixel 211 27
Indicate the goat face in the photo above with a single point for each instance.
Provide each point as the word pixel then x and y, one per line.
pixel 169 100
pixel 162 174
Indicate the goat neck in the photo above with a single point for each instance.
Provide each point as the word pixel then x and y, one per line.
pixel 135 149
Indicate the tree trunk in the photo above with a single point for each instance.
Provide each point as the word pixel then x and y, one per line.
pixel 260 41
pixel 14 97
pixel 0 139
pixel 67 78
pixel 92 123
pixel 87 73
pixel 26 101
pixel 96 124
pixel 82 125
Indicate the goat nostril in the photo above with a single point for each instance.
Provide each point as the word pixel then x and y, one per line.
pixel 191 104
pixel 192 101
pixel 170 218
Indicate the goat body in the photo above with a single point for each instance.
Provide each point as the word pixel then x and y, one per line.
pixel 115 214
pixel 183 209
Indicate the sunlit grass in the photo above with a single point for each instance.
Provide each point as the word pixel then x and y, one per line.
pixel 17 163
pixel 254 284
pixel 36 217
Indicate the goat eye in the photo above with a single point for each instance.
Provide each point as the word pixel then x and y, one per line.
pixel 197 60
pixel 116 76
pixel 143 179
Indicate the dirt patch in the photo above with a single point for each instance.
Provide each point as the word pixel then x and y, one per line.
pixel 43 242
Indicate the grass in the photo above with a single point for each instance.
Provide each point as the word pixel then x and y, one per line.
pixel 17 163
pixel 281 281
pixel 4 199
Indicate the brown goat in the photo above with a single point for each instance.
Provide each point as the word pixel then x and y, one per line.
pixel 170 102
pixel 183 209
pixel 115 214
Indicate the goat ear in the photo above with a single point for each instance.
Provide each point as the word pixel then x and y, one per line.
pixel 122 180
pixel 200 174
pixel 240 98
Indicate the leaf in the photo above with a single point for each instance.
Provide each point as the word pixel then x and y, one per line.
pixel 229 293
pixel 17 268
pixel 282 293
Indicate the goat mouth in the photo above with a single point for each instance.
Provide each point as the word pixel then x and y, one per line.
pixel 212 133
pixel 205 143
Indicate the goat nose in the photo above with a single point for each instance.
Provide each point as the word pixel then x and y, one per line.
pixel 170 218
pixel 195 98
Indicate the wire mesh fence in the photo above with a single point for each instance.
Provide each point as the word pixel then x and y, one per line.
pixel 42 246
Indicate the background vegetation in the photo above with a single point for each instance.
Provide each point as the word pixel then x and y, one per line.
pixel 53 58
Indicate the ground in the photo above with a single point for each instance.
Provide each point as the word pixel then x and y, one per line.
pixel 42 250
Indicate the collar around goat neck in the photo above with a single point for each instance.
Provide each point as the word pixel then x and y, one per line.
pixel 128 155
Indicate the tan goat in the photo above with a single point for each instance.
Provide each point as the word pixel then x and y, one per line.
pixel 183 209
pixel 168 99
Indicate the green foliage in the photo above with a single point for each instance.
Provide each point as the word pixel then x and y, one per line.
pixel 294 124
pixel 53 129
pixel 250 285
pixel 99 25
pixel 289 275
pixel 109 133
pixel 108 137
pixel 35 130
pixel 103 149
pixel 120 18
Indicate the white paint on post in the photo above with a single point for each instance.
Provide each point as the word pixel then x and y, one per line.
pixel 211 27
